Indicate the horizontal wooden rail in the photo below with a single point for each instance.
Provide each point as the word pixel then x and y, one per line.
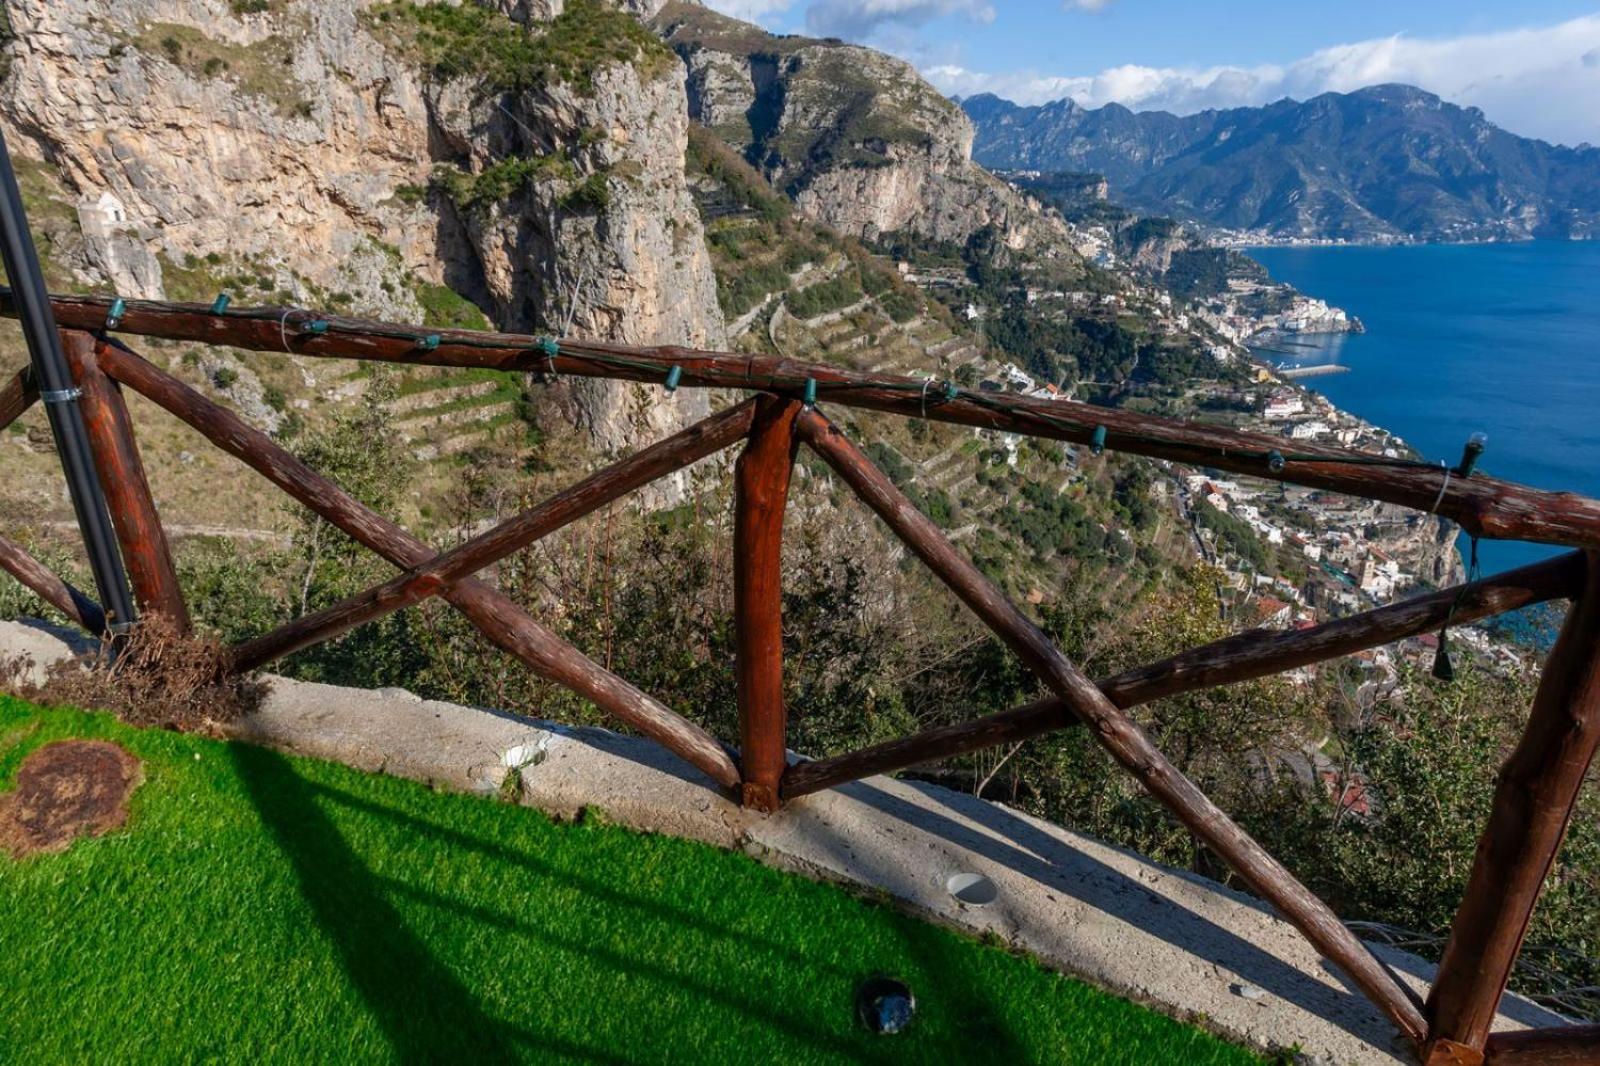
pixel 16 396
pixel 1242 657
pixel 1570 1045
pixel 499 619
pixel 683 449
pixel 1115 731
pixel 50 588
pixel 1481 505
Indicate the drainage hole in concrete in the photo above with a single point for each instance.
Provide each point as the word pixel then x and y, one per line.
pixel 975 890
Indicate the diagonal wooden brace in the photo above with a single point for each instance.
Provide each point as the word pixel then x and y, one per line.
pixel 1115 731
pixel 432 578
pixel 51 589
pixel 1241 657
pixel 501 620
pixel 16 396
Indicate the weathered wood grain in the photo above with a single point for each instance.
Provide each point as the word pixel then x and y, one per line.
pixel 16 396
pixel 1572 1045
pixel 145 551
pixel 51 589
pixel 761 494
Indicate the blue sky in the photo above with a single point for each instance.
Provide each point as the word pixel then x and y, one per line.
pixel 1533 65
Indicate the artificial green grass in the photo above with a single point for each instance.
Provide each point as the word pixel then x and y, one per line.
pixel 261 908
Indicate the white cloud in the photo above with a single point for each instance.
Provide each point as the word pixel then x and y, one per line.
pixel 1086 5
pixel 863 19
pixel 1539 82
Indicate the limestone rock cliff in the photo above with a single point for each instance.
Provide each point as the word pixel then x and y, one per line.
pixel 856 138
pixel 300 143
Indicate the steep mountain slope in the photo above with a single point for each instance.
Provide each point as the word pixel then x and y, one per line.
pixel 1384 162
pixel 379 157
pixel 856 138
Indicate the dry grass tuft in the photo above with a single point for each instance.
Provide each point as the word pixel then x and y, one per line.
pixel 157 677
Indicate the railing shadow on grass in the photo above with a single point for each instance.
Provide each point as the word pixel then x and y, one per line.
pixel 761 954
pixel 423 1010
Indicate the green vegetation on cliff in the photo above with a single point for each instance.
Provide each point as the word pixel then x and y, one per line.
pixel 472 40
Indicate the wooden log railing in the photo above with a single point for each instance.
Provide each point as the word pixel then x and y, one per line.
pixel 491 612
pixel 16 396
pixel 1242 657
pixel 417 584
pixel 1533 803
pixel 145 553
pixel 1481 505
pixel 1538 787
pixel 1115 731
pixel 761 488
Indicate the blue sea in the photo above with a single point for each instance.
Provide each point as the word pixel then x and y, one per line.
pixel 1498 338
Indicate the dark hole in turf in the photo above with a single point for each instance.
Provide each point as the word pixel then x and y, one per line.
pixel 885 1005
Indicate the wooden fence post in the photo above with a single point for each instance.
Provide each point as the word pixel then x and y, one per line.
pixel 1533 803
pixel 761 493
pixel 133 512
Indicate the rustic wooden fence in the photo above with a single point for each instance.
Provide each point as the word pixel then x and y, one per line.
pixel 1538 785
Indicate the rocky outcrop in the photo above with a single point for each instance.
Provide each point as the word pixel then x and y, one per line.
pixel 300 144
pixel 856 138
pixel 606 236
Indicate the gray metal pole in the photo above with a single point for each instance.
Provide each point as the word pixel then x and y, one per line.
pixel 60 398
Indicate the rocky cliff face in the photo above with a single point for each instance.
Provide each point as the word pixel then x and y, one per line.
pixel 857 139
pixel 302 142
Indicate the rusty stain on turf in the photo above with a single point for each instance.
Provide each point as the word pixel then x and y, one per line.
pixel 66 790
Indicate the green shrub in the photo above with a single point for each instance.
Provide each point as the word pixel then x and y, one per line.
pixel 444 308
pixel 825 296
pixel 470 40
pixel 592 194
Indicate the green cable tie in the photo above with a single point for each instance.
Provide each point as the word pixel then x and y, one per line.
pixel 1276 461
pixel 674 376
pixel 428 343
pixel 811 392
pixel 551 348
pixel 219 306
pixel 1097 440
pixel 950 392
pixel 317 326
pixel 114 316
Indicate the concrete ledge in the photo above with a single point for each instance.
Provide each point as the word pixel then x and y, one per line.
pixel 1188 946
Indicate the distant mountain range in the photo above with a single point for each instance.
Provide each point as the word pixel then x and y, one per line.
pixel 1383 163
